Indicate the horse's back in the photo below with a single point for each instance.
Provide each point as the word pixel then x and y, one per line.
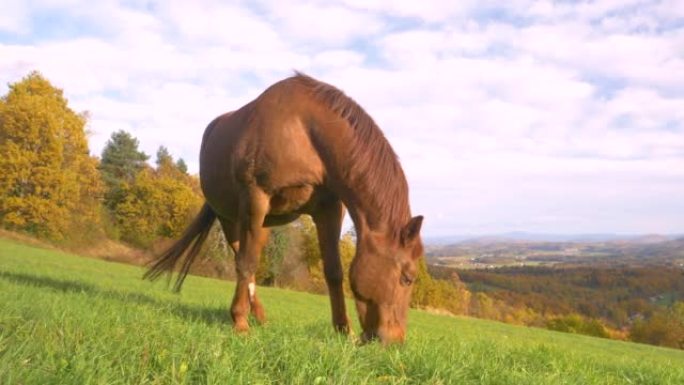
pixel 266 143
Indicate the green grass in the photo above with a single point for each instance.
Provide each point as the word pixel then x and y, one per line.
pixel 65 319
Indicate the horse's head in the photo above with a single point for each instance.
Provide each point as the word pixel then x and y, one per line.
pixel 382 277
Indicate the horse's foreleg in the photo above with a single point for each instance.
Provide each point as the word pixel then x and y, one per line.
pixel 253 237
pixel 328 221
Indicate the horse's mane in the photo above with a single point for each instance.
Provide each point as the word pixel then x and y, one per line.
pixel 372 158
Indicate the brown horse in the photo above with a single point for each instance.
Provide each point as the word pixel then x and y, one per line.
pixel 304 147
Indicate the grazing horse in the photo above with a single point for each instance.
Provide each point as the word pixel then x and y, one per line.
pixel 304 147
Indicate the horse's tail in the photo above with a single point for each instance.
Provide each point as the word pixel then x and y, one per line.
pixel 193 238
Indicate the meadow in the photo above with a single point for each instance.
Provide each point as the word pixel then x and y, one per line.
pixel 66 319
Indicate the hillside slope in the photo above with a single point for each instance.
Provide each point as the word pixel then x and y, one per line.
pixel 67 319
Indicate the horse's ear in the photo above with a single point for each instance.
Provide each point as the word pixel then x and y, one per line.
pixel 410 232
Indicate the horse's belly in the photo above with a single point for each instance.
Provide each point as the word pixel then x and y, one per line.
pixel 291 199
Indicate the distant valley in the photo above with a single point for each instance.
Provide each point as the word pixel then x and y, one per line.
pixel 527 249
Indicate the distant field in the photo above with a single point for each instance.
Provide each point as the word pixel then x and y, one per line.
pixel 639 251
pixel 65 319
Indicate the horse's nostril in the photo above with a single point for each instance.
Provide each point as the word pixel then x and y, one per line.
pixel 405 280
pixel 393 334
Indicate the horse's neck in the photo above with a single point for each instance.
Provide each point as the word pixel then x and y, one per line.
pixel 357 184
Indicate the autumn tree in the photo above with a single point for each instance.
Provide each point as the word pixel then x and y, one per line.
pixel 158 203
pixel 347 253
pixel 273 255
pixel 665 328
pixel 292 257
pixel 451 295
pixel 311 253
pixel 49 185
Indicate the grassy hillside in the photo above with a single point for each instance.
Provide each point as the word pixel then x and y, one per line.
pixel 71 320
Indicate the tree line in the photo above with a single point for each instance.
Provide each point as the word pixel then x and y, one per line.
pixel 52 188
pixel 638 303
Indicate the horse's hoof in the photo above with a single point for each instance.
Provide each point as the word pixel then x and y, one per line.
pixel 241 327
pixel 343 329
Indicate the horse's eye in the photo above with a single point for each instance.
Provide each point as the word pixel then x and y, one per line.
pixel 405 279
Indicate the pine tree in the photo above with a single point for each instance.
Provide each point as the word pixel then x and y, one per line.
pixel 49 184
pixel 121 162
pixel 164 158
pixel 181 166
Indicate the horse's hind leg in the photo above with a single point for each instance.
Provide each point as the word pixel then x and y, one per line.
pixel 232 233
pixel 328 221
pixel 253 237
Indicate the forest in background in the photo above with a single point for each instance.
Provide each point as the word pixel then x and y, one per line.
pixel 53 189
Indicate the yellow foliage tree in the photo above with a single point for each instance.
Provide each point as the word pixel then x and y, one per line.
pixel 49 184
pixel 347 253
pixel 311 253
pixel 451 295
pixel 158 203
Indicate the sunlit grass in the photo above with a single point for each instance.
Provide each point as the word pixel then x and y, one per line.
pixel 71 320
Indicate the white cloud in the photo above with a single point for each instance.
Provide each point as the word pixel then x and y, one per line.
pixel 652 59
pixel 430 10
pixel 326 60
pixel 14 17
pixel 321 23
pixel 231 26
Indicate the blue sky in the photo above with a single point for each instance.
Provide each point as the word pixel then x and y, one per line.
pixel 554 117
